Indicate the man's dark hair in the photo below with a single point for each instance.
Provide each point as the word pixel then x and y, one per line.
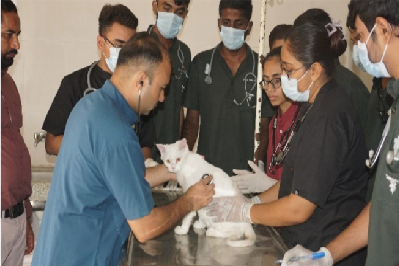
pixel 116 13
pixel 143 50
pixel 279 33
pixel 7 6
pixel 309 43
pixel 338 42
pixel 181 2
pixel 352 14
pixel 244 5
pixel 369 10
pixel 274 53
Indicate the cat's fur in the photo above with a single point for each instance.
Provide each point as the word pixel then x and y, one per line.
pixel 190 167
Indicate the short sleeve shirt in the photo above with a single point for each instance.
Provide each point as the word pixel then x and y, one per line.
pixel 326 166
pixel 227 129
pixel 98 183
pixel 167 114
pixel 355 88
pixel 71 90
pixel 383 248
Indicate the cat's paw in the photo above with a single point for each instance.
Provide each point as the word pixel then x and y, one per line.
pixel 179 230
pixel 199 225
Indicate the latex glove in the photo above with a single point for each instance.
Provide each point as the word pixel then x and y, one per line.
pixel 255 182
pixel 233 209
pixel 299 251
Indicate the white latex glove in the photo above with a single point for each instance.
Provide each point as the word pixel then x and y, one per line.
pixel 255 182
pixel 299 251
pixel 150 163
pixel 233 209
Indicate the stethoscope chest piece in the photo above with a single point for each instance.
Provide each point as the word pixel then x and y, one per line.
pixel 208 80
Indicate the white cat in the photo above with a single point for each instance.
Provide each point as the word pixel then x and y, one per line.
pixel 190 168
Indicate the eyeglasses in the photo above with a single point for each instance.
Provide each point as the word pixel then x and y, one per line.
pixel 289 72
pixel 265 84
pixel 114 45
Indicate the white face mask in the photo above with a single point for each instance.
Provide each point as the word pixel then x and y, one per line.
pixel 113 57
pixel 232 38
pixel 356 59
pixel 290 88
pixel 378 69
pixel 169 24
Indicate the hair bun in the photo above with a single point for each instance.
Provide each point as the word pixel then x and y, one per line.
pixel 337 37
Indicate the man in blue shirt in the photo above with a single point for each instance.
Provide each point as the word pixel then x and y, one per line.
pixel 98 189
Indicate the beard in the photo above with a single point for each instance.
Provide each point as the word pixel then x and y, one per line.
pixel 6 62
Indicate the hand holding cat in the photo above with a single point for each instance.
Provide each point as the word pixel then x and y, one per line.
pixel 200 194
pixel 248 182
pixel 233 209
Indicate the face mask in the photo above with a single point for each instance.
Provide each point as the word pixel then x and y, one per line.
pixel 377 70
pixel 290 89
pixel 113 58
pixel 169 24
pixel 356 59
pixel 232 38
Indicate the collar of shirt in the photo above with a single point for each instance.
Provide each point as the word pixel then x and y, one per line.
pixel 120 102
pixel 393 88
pixel 284 121
pixel 151 31
pixel 247 63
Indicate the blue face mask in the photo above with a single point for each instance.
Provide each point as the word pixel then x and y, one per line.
pixel 356 59
pixel 290 89
pixel 232 38
pixel 169 24
pixel 377 70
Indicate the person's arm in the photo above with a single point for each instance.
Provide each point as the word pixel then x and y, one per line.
pixel 53 143
pixel 271 194
pixel 352 238
pixel 165 217
pixel 260 153
pixel 191 127
pixel 158 175
pixel 30 237
pixel 146 152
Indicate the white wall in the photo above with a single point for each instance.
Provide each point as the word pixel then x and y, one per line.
pixel 59 36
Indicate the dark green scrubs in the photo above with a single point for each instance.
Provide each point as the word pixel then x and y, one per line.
pixel 355 88
pixel 375 124
pixel 226 136
pixel 167 114
pixel 383 241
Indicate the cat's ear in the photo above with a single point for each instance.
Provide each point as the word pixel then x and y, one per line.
pixel 161 148
pixel 183 144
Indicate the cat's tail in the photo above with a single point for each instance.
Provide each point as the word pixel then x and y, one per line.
pixel 237 241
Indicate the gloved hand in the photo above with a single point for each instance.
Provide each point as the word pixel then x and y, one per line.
pixel 299 251
pixel 249 182
pixel 232 209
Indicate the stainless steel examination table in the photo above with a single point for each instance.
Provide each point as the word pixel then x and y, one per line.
pixel 197 249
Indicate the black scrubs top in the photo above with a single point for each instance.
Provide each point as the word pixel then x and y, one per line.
pixel 380 101
pixel 72 90
pixel 226 136
pixel 326 165
pixel 167 114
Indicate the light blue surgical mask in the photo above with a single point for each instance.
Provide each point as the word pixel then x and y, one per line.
pixel 232 38
pixel 290 88
pixel 356 59
pixel 169 24
pixel 378 69
pixel 113 58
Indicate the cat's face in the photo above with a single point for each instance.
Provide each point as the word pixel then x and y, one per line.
pixel 173 155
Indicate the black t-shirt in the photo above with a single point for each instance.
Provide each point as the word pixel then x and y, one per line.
pixel 326 166
pixel 72 89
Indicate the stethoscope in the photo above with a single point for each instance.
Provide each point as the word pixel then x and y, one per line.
pixel 180 55
pixel 89 87
pixel 250 76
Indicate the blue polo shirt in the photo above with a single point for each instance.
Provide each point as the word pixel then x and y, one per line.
pixel 98 183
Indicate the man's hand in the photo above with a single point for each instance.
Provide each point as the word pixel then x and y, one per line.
pixel 30 238
pixel 249 182
pixel 299 251
pixel 233 209
pixel 200 194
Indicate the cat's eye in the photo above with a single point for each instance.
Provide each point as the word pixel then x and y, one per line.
pixel 178 160
pixel 168 161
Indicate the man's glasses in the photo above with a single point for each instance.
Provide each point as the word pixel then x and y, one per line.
pixel 113 45
pixel 265 84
